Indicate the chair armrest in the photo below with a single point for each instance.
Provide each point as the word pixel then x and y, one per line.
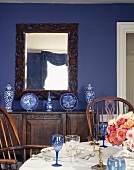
pixel 33 149
pixel 8 161
pixel 35 146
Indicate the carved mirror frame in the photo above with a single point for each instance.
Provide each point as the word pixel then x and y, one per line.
pixel 21 30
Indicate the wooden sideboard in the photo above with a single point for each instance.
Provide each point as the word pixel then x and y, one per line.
pixel 38 127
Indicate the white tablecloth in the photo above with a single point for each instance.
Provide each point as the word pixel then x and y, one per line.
pixel 39 163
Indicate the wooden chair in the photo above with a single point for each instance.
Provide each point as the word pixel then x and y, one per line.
pixel 10 146
pixel 103 109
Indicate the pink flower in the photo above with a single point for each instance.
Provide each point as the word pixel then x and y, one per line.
pixel 121 121
pixel 130 134
pixel 112 128
pixel 121 134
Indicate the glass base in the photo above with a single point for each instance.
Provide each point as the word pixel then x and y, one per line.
pixel 56 165
pixel 73 161
pixel 104 146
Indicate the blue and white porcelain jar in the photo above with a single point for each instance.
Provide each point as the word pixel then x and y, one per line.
pixel 49 105
pixel 89 94
pixel 8 98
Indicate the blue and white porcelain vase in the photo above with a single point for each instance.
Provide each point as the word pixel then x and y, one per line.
pixel 8 97
pixel 49 105
pixel 89 94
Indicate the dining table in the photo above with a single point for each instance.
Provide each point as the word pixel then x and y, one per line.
pixel 86 157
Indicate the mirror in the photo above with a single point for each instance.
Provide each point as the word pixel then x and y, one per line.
pixel 46 59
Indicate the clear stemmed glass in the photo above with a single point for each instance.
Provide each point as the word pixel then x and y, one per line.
pixel 103 132
pixel 71 143
pixel 57 143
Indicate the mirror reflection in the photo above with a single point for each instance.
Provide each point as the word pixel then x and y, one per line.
pixel 46 61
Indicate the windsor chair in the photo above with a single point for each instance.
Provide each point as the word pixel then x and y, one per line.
pixel 103 109
pixel 11 149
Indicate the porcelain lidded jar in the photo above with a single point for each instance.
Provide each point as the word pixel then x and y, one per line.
pixel 49 105
pixel 89 94
pixel 8 97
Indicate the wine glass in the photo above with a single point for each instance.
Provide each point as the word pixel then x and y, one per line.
pixel 103 132
pixel 57 143
pixel 71 143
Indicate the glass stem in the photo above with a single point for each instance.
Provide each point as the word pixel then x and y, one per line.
pixel 57 152
pixel 72 158
pixel 103 138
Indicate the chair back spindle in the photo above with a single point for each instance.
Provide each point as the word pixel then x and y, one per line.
pixel 104 109
pixel 10 146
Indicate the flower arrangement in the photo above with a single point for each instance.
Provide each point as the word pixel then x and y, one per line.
pixel 129 142
pixel 121 130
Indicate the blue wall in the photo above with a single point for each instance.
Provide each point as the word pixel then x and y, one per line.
pixel 96 43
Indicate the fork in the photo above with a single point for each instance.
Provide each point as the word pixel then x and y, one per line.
pixel 88 156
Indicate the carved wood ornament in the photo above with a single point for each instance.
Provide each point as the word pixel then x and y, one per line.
pixel 21 29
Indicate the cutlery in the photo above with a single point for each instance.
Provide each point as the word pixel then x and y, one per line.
pixel 36 157
pixel 86 157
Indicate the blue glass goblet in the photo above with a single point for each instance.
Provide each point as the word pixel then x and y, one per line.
pixel 103 132
pixel 57 143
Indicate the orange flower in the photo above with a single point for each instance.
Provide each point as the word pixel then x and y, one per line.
pixel 117 130
pixel 117 142
pixel 128 124
pixel 121 134
pixel 112 138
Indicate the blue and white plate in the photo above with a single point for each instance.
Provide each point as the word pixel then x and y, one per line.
pixel 68 101
pixel 29 101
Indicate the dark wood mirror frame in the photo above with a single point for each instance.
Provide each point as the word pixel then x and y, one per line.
pixel 72 30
